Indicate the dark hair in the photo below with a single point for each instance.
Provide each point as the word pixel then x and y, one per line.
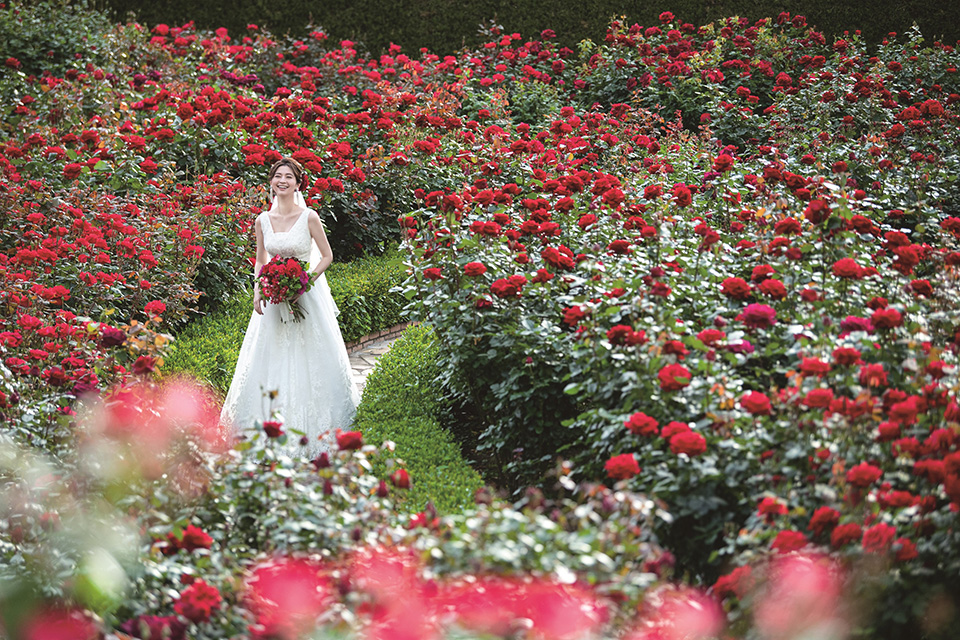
pixel 293 165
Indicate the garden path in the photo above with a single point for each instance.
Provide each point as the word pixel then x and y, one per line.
pixel 363 359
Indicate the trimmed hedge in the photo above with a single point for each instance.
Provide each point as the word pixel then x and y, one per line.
pixel 400 404
pixel 208 347
pixel 362 287
pixel 444 25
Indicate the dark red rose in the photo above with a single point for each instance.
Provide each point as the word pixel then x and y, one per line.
pixel 194 538
pixel 886 318
pixel 474 269
pixel 400 479
pixel 824 518
pixel 198 601
pixel 846 533
pixel 756 403
pixel 674 377
pixel 688 442
pixel 272 429
pixel 787 541
pixel 818 398
pixel 144 365
pixel 847 268
pixel 863 475
pixel 879 538
pixel 736 288
pixel 622 466
pixel 642 425
pixel 111 336
pixel 349 440
pixel 758 316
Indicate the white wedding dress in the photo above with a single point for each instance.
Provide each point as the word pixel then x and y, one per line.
pixel 304 362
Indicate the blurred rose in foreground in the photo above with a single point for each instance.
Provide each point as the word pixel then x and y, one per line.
pixel 287 595
pixel 801 599
pixel 679 614
pixel 146 431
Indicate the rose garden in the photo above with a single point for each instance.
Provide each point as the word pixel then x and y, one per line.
pixel 682 360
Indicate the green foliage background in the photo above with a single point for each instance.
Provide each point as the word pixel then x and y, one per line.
pixel 444 26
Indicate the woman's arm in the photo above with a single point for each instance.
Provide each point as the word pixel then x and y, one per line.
pixel 320 237
pixel 262 259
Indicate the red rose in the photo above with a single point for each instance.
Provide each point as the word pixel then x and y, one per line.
pixel 144 365
pixel 72 170
pixel 904 549
pixel 814 367
pixel 688 442
pixel 400 479
pixel 770 507
pixel 474 269
pixel 433 273
pixel 873 375
pixel 756 403
pixel 845 356
pixel 736 288
pixel 710 337
pixel 847 268
pixel 194 538
pixel 508 287
pixel 773 289
pixel 886 318
pixel 674 377
pixel 758 316
pixel 573 315
pixel 154 308
pixel 787 541
pixel 621 247
pixel 824 518
pixel 844 534
pixel 863 474
pixel 272 429
pixel 922 287
pixel 818 398
pixel 349 440
pixel 738 582
pixel 198 601
pixel 878 538
pixel 641 424
pixel 673 428
pixel 622 466
pixel 787 226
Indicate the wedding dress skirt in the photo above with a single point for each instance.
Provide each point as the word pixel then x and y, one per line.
pixel 305 364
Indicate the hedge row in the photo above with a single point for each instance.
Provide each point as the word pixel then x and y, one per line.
pixel 208 347
pixel 445 25
pixel 400 404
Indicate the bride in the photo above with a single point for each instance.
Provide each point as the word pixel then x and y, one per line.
pixel 296 373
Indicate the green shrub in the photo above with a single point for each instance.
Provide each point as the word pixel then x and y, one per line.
pixel 361 289
pixel 51 36
pixel 400 403
pixel 444 26
pixel 208 348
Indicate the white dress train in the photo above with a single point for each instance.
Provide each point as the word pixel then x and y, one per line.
pixel 304 362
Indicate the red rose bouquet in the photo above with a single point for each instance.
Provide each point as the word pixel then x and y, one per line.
pixel 285 280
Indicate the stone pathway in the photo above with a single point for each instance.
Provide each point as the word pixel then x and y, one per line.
pixel 363 359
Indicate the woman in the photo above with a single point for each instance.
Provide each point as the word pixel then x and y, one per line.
pixel 296 373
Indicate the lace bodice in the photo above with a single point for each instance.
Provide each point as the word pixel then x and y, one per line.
pixel 295 243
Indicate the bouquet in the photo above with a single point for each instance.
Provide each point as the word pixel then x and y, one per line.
pixel 285 280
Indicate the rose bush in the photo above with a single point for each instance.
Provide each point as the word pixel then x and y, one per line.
pixel 716 262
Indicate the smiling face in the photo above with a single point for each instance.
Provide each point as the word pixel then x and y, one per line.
pixel 285 176
pixel 284 181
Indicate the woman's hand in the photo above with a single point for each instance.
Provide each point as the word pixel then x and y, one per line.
pixel 257 302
